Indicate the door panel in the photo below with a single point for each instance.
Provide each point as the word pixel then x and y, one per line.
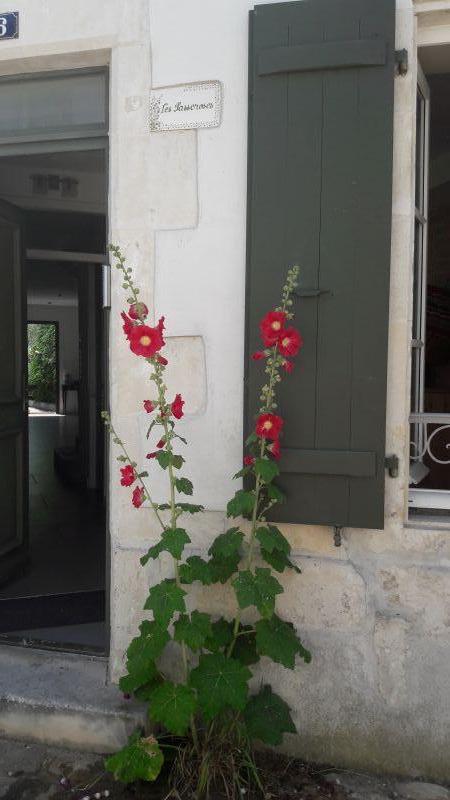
pixel 13 410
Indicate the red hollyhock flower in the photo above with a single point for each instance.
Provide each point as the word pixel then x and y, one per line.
pixel 274 448
pixel 177 406
pixel 287 365
pixel 271 326
pixel 161 325
pixel 249 461
pixel 149 406
pixel 138 496
pixel 289 342
pixel 269 426
pixel 162 360
pixel 152 455
pixel 128 475
pixel 145 341
pixel 160 444
pixel 138 311
pixel 127 324
pixel 258 355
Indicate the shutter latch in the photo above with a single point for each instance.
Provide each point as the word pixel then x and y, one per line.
pixel 391 463
pixel 401 61
pixel 310 292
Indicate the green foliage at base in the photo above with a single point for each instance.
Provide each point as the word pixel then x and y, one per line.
pixel 141 759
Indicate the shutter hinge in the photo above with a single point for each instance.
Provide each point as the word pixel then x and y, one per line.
pixel 337 535
pixel 401 62
pixel 391 463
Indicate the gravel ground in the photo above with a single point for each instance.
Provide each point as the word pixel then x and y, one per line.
pixel 31 771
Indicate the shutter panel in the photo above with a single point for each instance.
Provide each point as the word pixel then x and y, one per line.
pixel 320 186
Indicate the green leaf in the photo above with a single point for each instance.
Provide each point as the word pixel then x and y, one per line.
pixel 164 458
pixel 221 569
pixel 177 461
pixel 195 569
pixel 270 538
pixel 184 486
pixel 220 682
pixel 141 655
pixel 241 504
pixel 267 717
pixel 227 544
pixel 144 693
pixel 190 508
pixel 266 469
pixel 257 589
pixel 193 631
pixel 278 560
pixel 278 640
pixel 164 599
pixel 221 635
pixel 172 541
pixel 141 759
pixel 244 649
pixel 251 438
pixel 275 493
pixel 173 705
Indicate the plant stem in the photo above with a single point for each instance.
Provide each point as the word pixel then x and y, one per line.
pixel 131 463
pixel 256 518
pixel 173 519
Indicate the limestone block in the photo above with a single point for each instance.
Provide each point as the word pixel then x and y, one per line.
pixel 172 186
pixel 391 650
pixel 419 594
pixel 185 373
pixel 313 540
pixel 327 595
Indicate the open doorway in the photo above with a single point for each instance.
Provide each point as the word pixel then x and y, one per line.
pixel 53 209
pixel 430 345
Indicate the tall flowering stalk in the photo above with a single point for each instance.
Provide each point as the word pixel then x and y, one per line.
pixel 211 707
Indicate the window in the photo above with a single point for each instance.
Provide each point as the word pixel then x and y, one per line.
pixel 430 340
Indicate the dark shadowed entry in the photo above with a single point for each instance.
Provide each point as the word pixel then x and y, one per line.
pixel 53 590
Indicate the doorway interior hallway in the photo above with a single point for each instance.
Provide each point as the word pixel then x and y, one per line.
pixel 55 595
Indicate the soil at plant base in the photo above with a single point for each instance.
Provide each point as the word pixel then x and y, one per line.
pixel 31 771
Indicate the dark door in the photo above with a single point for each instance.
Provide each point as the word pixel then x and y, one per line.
pixel 13 404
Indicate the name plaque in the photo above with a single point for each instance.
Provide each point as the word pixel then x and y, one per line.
pixel 186 106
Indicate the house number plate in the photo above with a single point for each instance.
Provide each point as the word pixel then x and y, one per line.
pixel 189 105
pixel 9 25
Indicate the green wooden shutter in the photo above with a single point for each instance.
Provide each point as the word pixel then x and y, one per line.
pixel 320 178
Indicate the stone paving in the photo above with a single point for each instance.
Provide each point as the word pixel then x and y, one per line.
pixel 30 771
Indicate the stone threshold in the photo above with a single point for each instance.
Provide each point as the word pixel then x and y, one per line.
pixel 63 699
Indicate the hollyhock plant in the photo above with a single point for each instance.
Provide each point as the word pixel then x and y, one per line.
pixel 138 311
pixel 177 406
pixel 138 496
pixel 128 475
pixel 287 365
pixel 128 324
pixel 217 654
pixel 145 341
pixel 289 342
pixel 271 326
pixel 269 426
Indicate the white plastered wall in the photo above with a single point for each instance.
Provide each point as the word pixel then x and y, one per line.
pixel 374 612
